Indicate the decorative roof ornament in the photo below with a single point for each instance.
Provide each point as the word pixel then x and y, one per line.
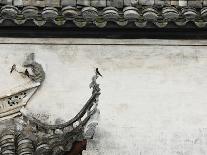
pixel 69 12
pixel 49 13
pixel 131 13
pixel 30 12
pixel 170 13
pixel 110 14
pixel 21 133
pixel 9 12
pixel 15 99
pixel 150 14
pixel 89 13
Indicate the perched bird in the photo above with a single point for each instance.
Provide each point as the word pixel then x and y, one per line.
pixel 13 68
pixel 98 73
pixel 26 73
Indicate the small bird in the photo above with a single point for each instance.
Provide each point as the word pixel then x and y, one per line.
pixel 13 68
pixel 26 73
pixel 98 73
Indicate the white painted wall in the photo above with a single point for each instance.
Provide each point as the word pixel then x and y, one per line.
pixel 153 99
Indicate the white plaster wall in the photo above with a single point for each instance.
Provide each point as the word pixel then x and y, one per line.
pixel 153 99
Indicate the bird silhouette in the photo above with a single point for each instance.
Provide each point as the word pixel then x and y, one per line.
pixel 26 73
pixel 98 73
pixel 13 68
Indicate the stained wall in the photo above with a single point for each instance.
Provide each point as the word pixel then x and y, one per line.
pixel 153 99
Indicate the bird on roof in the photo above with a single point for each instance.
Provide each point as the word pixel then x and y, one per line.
pixel 26 73
pixel 98 73
pixel 13 68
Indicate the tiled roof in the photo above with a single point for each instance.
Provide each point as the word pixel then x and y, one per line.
pixel 100 12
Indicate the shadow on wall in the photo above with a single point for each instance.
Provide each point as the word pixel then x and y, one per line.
pixel 77 148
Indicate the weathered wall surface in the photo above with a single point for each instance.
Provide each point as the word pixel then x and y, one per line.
pixel 153 99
